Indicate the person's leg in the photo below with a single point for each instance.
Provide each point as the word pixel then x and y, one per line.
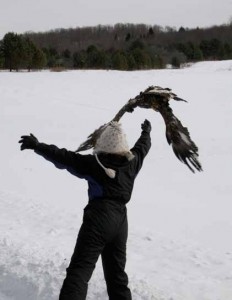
pixel 87 250
pixel 114 261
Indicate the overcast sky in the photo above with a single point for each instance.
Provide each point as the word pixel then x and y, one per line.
pixel 41 15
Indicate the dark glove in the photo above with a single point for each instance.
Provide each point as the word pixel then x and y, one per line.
pixel 28 142
pixel 146 126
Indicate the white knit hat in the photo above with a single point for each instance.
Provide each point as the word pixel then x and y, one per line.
pixel 113 140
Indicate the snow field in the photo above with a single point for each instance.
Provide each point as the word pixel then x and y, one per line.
pixel 180 224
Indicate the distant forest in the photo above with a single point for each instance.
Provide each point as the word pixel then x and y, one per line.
pixel 118 47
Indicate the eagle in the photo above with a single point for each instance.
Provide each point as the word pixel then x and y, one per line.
pixel 157 98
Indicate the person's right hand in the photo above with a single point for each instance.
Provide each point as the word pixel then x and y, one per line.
pixel 28 142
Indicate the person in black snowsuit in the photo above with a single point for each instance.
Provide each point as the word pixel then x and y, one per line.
pixel 110 173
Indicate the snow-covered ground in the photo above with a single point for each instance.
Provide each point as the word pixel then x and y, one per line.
pixel 180 245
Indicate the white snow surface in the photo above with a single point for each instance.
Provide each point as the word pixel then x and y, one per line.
pixel 180 224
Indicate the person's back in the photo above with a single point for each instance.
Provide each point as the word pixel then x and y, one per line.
pixel 121 186
pixel 110 172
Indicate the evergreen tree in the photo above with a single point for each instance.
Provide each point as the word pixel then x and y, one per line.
pixel 197 53
pixel 28 54
pixel 67 58
pixel 216 48
pixel 119 61
pixel 12 49
pixel 79 60
pixel 1 62
pixel 66 54
pixel 20 52
pixel 150 31
pixel 142 59
pixel 138 44
pixel 52 56
pixel 95 58
pixel 205 48
pixel 181 29
pixel 227 50
pixel 1 56
pixel 39 59
pixel 159 62
pixel 131 61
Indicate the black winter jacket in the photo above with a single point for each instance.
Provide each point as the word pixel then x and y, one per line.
pixel 101 186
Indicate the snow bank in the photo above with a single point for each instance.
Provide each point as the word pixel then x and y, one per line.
pixel 213 66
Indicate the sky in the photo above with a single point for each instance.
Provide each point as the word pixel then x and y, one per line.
pixel 21 16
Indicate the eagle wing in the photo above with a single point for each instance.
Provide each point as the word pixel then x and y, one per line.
pixel 178 136
pixel 157 98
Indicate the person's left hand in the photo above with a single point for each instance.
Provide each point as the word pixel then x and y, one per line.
pixel 146 126
pixel 28 142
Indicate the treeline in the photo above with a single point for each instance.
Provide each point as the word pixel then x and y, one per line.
pixel 123 47
pixel 136 57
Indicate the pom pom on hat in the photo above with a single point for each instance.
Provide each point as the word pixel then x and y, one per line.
pixel 110 172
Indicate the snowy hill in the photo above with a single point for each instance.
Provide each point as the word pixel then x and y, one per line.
pixel 180 223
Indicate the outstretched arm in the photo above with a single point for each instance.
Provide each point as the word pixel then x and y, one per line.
pixel 61 158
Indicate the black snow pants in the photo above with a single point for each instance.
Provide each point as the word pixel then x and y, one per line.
pixel 103 232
